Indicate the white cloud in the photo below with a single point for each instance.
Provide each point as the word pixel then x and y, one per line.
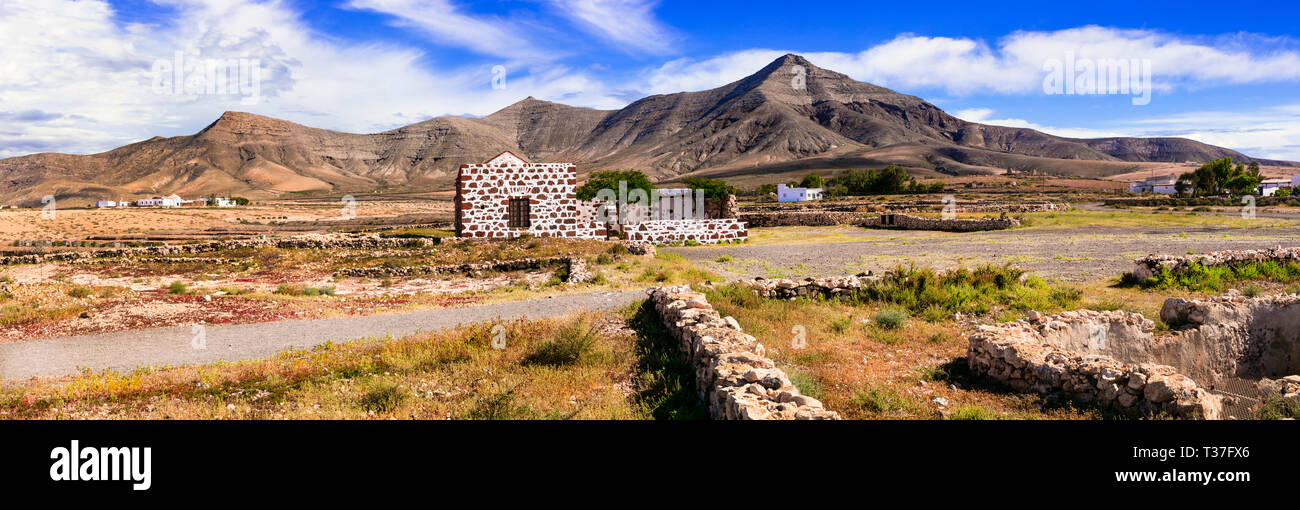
pixel 72 80
pixel 446 23
pixel 1015 65
pixel 629 23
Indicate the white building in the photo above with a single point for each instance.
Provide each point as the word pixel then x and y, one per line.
pixel 787 194
pixel 1163 185
pixel 149 202
pixel 222 202
pixel 1268 187
pixel 171 201
pixel 105 203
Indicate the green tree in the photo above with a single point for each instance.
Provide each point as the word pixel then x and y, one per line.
pixel 609 179
pixel 811 181
pixel 717 189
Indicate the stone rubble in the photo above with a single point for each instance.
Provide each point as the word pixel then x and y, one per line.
pixel 736 380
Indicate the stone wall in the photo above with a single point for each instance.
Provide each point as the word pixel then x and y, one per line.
pixel 833 286
pixel 483 194
pixel 801 218
pixel 577 271
pixel 702 231
pixel 736 381
pixel 1151 265
pixel 909 222
pixel 1232 337
pixel 308 241
pixel 1028 356
pixel 907 206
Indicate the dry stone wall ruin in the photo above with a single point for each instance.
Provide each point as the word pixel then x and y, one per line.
pixel 1152 265
pixel 909 222
pixel 1221 351
pixel 735 379
pixel 1050 354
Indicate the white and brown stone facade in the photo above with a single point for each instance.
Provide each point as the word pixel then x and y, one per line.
pixel 509 197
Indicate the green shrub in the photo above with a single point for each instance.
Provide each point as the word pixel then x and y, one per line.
pixel 891 318
pixel 384 397
pixel 176 288
pixel 573 343
pixel 79 291
pixel 973 412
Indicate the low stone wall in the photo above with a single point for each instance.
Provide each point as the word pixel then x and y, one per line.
pixel 909 206
pixel 701 231
pixel 909 222
pixel 309 241
pixel 1028 356
pixel 1151 265
pixel 735 379
pixel 466 269
pixel 800 218
pixel 833 286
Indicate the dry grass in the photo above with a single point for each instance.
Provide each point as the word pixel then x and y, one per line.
pixel 453 374
pixel 868 370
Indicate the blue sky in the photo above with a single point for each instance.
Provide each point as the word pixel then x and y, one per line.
pixel 83 76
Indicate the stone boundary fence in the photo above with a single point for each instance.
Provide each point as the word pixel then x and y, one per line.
pixel 702 231
pixel 1152 265
pixel 310 241
pixel 800 218
pixel 909 222
pixel 833 286
pixel 735 379
pixel 576 266
pixel 912 206
pixel 1049 354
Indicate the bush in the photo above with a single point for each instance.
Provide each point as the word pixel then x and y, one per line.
pixel 79 291
pixel 881 400
pixel 384 397
pixel 574 343
pixel 891 318
pixel 972 412
pixel 176 288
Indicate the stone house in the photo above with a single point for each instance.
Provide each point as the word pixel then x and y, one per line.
pixel 510 197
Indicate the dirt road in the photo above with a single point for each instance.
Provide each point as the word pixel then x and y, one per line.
pixel 127 350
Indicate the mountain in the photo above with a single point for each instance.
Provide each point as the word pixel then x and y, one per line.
pixel 752 129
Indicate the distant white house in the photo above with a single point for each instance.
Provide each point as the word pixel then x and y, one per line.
pixel 787 194
pixel 222 202
pixel 106 203
pixel 171 201
pixel 1163 185
pixel 1268 187
pixel 149 202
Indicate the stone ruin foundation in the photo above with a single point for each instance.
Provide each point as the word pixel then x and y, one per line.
pixel 1224 355
pixel 736 380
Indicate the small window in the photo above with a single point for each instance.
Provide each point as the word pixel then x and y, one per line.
pixel 519 213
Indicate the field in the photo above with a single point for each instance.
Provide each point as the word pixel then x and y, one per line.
pixel 872 357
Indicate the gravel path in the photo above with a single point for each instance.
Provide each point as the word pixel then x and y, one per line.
pixel 126 350
pixel 1082 254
